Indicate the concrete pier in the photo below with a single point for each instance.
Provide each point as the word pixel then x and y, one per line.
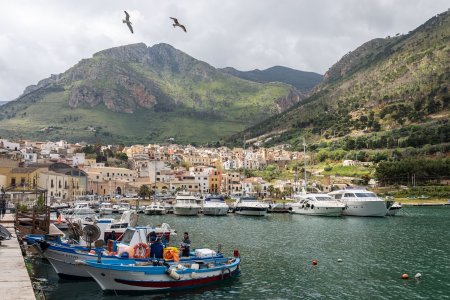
pixel 15 283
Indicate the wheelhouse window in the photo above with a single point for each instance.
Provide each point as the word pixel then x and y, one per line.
pixel 365 195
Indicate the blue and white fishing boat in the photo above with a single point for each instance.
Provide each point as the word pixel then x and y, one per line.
pixel 62 255
pixel 132 275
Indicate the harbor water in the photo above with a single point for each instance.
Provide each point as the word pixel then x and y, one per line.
pixel 277 253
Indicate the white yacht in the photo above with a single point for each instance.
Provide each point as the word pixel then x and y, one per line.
pixel 186 205
pixel 81 208
pixel 124 207
pixel 105 208
pixel 215 206
pixel 155 208
pixel 250 206
pixel 360 202
pixel 317 205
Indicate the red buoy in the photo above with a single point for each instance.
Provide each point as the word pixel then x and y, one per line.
pixel 236 253
pixel 314 262
pixel 405 276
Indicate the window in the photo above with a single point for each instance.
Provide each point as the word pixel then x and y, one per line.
pixel 338 196
pixel 51 184
pixel 349 195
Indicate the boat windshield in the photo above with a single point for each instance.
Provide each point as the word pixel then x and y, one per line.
pixel 365 195
pixel 323 198
pixel 127 236
pixel 247 199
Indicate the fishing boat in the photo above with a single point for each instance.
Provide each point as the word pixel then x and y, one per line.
pixel 317 205
pixel 132 275
pixel 186 205
pixel 360 202
pixel 215 205
pixel 62 255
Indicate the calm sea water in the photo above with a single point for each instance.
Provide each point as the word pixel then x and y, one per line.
pixel 277 251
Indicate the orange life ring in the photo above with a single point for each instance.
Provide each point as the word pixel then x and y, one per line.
pixel 138 253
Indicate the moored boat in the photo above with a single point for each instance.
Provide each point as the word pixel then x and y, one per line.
pixel 215 206
pixel 250 206
pixel 361 203
pixel 317 205
pixel 186 205
pixel 155 208
pixel 130 275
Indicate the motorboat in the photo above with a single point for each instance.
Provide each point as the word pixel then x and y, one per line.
pixel 81 208
pixel 186 205
pixel 279 207
pixel 393 208
pixel 115 208
pixel 360 202
pixel 105 208
pixel 317 204
pixel 215 206
pixel 249 206
pixel 155 208
pixel 123 206
pixel 131 275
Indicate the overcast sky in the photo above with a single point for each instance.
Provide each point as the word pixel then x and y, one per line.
pixel 43 37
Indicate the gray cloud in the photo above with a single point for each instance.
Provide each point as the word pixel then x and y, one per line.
pixel 39 38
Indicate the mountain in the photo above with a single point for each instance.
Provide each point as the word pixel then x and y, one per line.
pixel 3 102
pixel 135 93
pixel 303 81
pixel 389 92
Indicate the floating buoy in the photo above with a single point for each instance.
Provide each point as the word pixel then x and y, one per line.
pixel 236 253
pixel 405 276
pixel 418 276
pixel 314 262
pixel 339 260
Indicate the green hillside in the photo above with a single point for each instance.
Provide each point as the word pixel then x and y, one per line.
pixel 388 93
pixel 135 93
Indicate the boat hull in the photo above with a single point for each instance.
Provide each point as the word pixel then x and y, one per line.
pixel 251 211
pixel 156 279
pixel 365 208
pixel 186 211
pixel 215 210
pixel 155 212
pixel 64 262
pixel 319 211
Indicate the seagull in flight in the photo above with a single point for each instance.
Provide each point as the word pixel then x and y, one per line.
pixel 127 21
pixel 175 23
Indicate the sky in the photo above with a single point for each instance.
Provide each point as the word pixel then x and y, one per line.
pixel 43 37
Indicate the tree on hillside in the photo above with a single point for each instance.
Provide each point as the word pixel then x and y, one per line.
pixel 271 189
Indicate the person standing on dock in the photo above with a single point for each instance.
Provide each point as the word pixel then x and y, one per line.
pixel 186 245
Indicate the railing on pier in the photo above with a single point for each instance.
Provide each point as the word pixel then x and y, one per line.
pixel 34 221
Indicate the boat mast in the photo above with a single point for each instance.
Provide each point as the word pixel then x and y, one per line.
pixel 243 159
pixel 304 158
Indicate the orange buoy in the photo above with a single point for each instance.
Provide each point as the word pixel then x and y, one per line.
pixel 314 262
pixel 405 276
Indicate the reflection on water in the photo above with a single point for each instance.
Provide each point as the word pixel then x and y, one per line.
pixel 277 251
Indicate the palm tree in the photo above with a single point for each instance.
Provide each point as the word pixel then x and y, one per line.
pixel 271 189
